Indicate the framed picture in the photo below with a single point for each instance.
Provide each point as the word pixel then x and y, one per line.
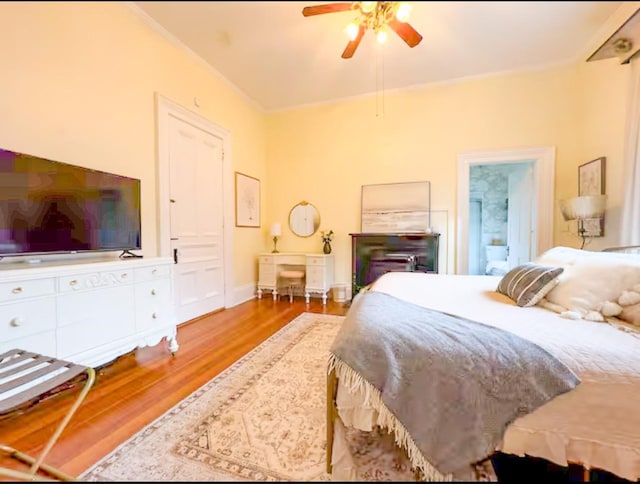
pixel 247 201
pixel 591 181
pixel 396 207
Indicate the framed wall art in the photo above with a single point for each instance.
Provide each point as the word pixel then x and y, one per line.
pixel 396 207
pixel 591 181
pixel 247 201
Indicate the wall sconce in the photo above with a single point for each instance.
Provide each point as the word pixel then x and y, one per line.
pixel 275 232
pixel 583 209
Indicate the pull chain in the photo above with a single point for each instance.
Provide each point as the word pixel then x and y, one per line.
pixel 379 81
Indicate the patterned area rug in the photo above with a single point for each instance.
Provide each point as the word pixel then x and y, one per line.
pixel 262 419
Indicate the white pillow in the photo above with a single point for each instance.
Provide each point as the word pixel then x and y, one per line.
pixel 590 278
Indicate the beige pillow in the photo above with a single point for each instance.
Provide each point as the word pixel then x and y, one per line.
pixel 590 278
pixel 631 314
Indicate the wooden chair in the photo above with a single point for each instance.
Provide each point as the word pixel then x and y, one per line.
pixel 25 376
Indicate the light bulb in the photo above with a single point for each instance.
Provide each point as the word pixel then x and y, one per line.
pixel 352 31
pixel 381 36
pixel 367 7
pixel 403 12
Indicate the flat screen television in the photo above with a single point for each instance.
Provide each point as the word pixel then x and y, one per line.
pixel 50 207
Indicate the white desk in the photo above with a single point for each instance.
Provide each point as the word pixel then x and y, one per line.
pixel 318 272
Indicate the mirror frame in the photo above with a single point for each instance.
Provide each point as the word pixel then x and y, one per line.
pixel 316 218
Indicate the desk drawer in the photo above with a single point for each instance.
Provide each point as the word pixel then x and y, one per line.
pixel 314 276
pixel 291 259
pixel 316 261
pixel 266 259
pixel 267 274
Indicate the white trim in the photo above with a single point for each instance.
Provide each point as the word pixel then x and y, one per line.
pixel 244 293
pixel 172 39
pixel 613 23
pixel 164 109
pixel 543 159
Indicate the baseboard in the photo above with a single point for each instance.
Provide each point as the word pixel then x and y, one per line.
pixel 243 294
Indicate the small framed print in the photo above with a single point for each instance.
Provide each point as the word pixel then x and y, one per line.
pixel 591 181
pixel 247 201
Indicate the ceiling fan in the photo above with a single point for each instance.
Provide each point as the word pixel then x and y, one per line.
pixel 376 16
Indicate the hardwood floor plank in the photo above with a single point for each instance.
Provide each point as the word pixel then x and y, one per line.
pixel 135 389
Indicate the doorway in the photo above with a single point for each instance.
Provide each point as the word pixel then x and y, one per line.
pixel 194 206
pixel 540 228
pixel 501 217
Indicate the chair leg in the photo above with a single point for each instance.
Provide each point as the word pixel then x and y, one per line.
pixel 37 463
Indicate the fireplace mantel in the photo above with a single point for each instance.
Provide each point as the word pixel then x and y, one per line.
pixel 373 254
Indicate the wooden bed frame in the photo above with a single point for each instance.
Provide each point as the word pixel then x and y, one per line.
pixel 332 389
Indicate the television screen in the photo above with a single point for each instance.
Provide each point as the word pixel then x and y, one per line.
pixel 48 206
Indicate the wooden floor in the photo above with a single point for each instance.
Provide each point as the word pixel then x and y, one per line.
pixel 140 386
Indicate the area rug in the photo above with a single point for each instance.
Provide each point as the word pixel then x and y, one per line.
pixel 262 419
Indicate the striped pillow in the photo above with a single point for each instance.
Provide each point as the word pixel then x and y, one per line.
pixel 528 283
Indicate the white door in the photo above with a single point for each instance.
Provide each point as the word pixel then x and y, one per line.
pixel 475 237
pixel 196 194
pixel 520 217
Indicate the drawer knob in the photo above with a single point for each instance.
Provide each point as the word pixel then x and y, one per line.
pixel 154 271
pixel 154 316
pixel 124 274
pixel 153 292
pixel 15 322
pixel 16 290
pixel 73 282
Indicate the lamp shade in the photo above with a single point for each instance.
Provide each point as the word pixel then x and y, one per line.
pixel 276 230
pixel 585 207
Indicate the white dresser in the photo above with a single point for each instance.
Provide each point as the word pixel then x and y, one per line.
pixel 87 312
pixel 318 270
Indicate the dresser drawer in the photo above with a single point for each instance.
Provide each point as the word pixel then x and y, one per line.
pixel 43 343
pixel 15 291
pixel 92 280
pixel 26 318
pixel 150 273
pixel 109 306
pixel 148 293
pixel 266 259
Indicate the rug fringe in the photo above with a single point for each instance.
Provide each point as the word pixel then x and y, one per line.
pixel 355 383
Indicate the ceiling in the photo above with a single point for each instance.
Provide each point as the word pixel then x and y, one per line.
pixel 280 60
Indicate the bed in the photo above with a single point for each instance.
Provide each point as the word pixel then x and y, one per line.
pixel 596 424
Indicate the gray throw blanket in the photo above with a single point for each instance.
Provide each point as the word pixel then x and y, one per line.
pixel 454 384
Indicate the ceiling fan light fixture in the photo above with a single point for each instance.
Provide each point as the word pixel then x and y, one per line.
pixel 379 17
pixel 381 35
pixel 368 7
pixel 403 12
pixel 352 30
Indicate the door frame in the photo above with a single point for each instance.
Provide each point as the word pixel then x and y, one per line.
pixel 165 108
pixel 543 159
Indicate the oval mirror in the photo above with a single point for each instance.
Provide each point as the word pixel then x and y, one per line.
pixel 304 219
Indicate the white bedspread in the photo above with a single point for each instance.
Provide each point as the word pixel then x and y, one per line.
pixel 597 424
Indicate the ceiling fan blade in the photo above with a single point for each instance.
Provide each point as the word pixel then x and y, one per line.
pixel 353 45
pixel 406 32
pixel 327 8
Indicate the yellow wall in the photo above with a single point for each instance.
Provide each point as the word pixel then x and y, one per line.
pixel 324 154
pixel 77 85
pixel 603 109
pixel 79 80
